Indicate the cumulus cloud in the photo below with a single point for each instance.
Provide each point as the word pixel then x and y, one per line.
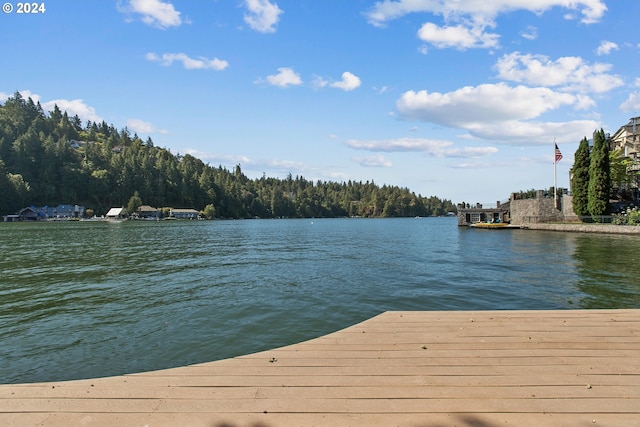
pixel 155 13
pixel 606 47
pixel 468 20
pixel 457 36
pixel 483 103
pixel 74 107
pixel 378 161
pixel 520 133
pixel 497 112
pixel 348 83
pixel 140 126
pixel 433 147
pixel 262 15
pixel 285 77
pixel 200 63
pixel 632 103
pixel 569 73
pixel 479 11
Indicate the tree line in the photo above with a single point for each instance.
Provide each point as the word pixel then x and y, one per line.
pixel 52 158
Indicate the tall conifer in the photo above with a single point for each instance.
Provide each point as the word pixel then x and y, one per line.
pixel 599 170
pixel 580 179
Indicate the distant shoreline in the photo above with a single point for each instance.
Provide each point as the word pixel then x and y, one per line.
pixel 586 228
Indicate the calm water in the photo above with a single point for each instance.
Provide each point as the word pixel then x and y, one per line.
pixel 92 299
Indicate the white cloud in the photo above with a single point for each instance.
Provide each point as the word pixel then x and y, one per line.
pixel 466 21
pixel 319 82
pixel 26 94
pixel 140 126
pixel 74 107
pixel 531 33
pixel 437 148
pixel 497 112
pixel 219 158
pixel 458 36
pixel 569 73
pixel 479 11
pixel 606 47
pixel 262 15
pixel 155 13
pixel 632 103
pixel 201 63
pixel 285 77
pixel 349 82
pixel 71 107
pixel 484 103
pixel 285 165
pixel 520 133
pixel 373 161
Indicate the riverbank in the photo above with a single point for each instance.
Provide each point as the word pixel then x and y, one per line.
pixel 586 228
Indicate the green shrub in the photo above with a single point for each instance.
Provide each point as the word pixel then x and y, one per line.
pixel 634 217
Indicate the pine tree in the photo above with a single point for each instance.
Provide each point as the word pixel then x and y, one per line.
pixel 580 179
pixel 599 170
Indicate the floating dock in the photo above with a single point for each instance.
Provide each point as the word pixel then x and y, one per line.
pixel 494 226
pixel 455 368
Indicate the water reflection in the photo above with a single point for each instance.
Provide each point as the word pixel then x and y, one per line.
pixel 608 268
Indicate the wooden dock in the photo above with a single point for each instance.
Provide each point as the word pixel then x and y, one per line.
pixel 418 369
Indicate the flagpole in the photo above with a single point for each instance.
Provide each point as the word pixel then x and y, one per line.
pixel 555 182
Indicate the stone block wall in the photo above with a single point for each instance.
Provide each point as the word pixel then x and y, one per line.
pixel 540 209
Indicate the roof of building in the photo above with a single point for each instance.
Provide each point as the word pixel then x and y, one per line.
pixel 115 211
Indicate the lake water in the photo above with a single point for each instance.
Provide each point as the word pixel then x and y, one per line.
pixel 90 299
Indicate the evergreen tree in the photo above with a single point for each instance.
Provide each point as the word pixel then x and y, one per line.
pixel 134 203
pixel 39 166
pixel 599 180
pixel 580 179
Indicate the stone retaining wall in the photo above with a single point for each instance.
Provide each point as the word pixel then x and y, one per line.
pixel 587 228
pixel 542 209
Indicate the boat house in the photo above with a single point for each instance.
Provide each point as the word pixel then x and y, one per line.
pixel 500 213
pixel 115 213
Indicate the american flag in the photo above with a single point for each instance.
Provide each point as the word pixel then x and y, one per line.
pixel 558 154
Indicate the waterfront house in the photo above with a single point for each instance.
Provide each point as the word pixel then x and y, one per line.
pixel 61 211
pixel 148 212
pixel 626 139
pixel 184 213
pixel 28 214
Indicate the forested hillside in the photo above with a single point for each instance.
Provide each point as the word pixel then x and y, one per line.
pixel 51 159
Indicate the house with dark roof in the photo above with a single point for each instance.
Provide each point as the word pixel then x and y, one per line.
pixel 184 213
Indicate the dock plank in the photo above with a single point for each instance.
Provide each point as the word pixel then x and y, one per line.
pixel 571 368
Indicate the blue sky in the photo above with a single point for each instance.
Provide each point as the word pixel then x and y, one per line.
pixel 457 99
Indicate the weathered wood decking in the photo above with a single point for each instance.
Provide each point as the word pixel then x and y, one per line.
pixel 494 368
